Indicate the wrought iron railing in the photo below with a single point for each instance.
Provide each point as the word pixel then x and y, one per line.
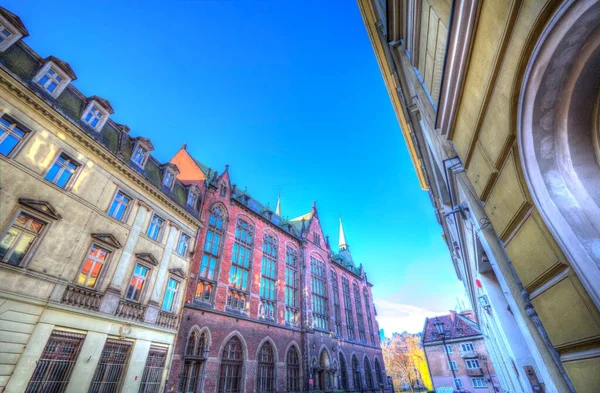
pixel 82 298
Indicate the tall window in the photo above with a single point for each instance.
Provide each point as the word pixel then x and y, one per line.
pixel 120 206
pixel 155 227
pixel 19 238
pixel 265 374
pixel 110 371
pixel 183 244
pixel 369 316
pixel 192 199
pixel 53 370
pixel 93 116
pixel 51 80
pixel 11 134
pixel 268 276
pixel 356 373
pixel 171 293
pixel 359 313
pixel 206 284
pixel 62 171
pixel 137 283
pixel 230 379
pixel 292 311
pixel 319 293
pixel 239 274
pixel 153 370
pixel 194 359
pixel 348 308
pixel 378 373
pixel 168 179
pixel 4 33
pixel 343 373
pixel 368 375
pixel 293 370
pixel 139 156
pixel 92 266
pixel 336 303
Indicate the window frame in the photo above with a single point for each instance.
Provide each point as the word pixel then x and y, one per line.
pixel 95 104
pixel 449 349
pixel 317 265
pixel 100 278
pixel 73 177
pixel 469 361
pixel 217 227
pixel 35 244
pixel 480 379
pixel 187 247
pixel 272 259
pixel 233 292
pixel 176 295
pixel 144 287
pixel 173 177
pixel 60 86
pixel 144 156
pixel 337 308
pixel 469 344
pixel 15 34
pixel 266 378
pixel 293 309
pixel 348 314
pixel 128 209
pixel 452 365
pixel 15 123
pixel 293 381
pixel 161 228
pixel 227 362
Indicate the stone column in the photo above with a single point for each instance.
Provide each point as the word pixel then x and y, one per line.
pixel 90 353
pixel 113 293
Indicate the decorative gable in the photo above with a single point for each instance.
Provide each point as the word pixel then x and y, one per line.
pixel 107 239
pixel 54 76
pixel 12 29
pixel 177 272
pixel 147 257
pixel 42 207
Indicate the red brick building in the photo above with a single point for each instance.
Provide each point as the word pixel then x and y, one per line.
pixel 270 307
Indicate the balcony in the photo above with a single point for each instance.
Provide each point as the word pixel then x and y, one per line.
pixel 82 298
pixel 167 320
pixel 130 310
pixel 474 372
pixel 468 354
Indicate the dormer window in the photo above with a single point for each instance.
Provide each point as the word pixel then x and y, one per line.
pixel 5 34
pixel 11 29
pixel 139 156
pixel 51 80
pixel 168 179
pixel 54 76
pixel 96 112
pixel 192 198
pixel 93 116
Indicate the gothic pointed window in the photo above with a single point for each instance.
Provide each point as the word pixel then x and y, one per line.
pixel 195 357
pixel 230 377
pixel 348 308
pixel 293 370
pixel 265 374
pixel 207 275
pixel 343 373
pixel 378 373
pixel 336 303
pixel 241 260
pixel 319 293
pixel 292 310
pixel 359 313
pixel 268 277
pixel 356 373
pixel 369 317
pixel 368 375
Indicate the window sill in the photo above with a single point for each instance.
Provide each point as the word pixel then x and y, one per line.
pixel 156 242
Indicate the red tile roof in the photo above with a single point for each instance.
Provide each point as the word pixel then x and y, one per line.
pixel 462 325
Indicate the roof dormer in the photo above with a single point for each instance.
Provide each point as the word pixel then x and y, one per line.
pixel 170 172
pixel 54 76
pixel 12 29
pixel 96 112
pixel 141 151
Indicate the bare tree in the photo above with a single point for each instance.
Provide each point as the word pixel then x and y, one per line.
pixel 404 358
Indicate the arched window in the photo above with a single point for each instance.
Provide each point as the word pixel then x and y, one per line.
pixel 230 380
pixel 336 303
pixel 241 260
pixel 319 293
pixel 378 373
pixel 292 311
pixel 356 373
pixel 369 317
pixel 359 313
pixel 343 372
pixel 348 307
pixel 191 343
pixel 368 374
pixel 293 370
pixel 265 375
pixel 268 277
pixel 207 275
pixel 195 356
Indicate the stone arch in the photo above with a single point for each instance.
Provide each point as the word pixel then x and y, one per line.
pixel 379 374
pixel 247 218
pixel 229 337
pixel 244 367
pixel 317 255
pixel 344 381
pixel 290 345
pixel 559 136
pixel 219 204
pixel 262 342
pixel 293 346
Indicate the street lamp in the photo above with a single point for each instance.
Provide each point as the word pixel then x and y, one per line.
pixel 439 326
pixel 485 363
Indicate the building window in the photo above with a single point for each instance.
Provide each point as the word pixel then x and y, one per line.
pixel 155 228
pixel 378 373
pixel 183 244
pixel 56 364
pixel 348 308
pixel 110 371
pixel 343 373
pixel 192 199
pixel 265 375
pixel 472 363
pixel 62 171
pixel 293 370
pixel 153 370
pixel 359 313
pixel 168 179
pixel 452 365
pixel 120 206
pixel 319 293
pixel 212 250
pixel 467 347
pixel 139 156
pixel 479 382
pixel 448 348
pixel 137 283
pixel 336 303
pixel 171 293
pixel 368 375
pixel 195 355
pixel 356 373
pixel 222 190
pixel 51 80
pixel 369 317
pixel 240 266
pixel 19 238
pixel 94 116
pixel 317 238
pixel 292 312
pixel 11 135
pixel 458 383
pixel 92 266
pixel 5 34
pixel 268 277
pixel 230 380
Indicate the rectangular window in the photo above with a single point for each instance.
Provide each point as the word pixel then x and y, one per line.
pixel 183 244
pixel 62 171
pixel 479 382
pixel 239 273
pixel 19 238
pixel 120 206
pixel 11 134
pixel 369 318
pixel 452 365
pixel 292 312
pixel 137 282
pixel 268 277
pixel 92 266
pixel 139 156
pixel 110 371
pixel 336 303
pixel 319 294
pixel 153 370
pixel 51 80
pixel 472 363
pixel 448 348
pixel 170 295
pixel 94 116
pixel 467 347
pixel 458 383
pixel 168 179
pixel 53 370
pixel 155 227
pixel 4 33
pixel 191 199
pixel 359 313
pixel 348 308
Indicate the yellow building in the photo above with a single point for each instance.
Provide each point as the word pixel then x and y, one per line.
pixel 95 236
pixel 499 104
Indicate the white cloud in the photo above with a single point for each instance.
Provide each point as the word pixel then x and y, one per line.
pixel 398 317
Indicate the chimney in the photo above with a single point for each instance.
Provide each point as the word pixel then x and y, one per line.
pixel 452 315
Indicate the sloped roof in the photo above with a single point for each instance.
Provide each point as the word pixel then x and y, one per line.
pixel 63 65
pixel 104 102
pixel 15 20
pixel 459 326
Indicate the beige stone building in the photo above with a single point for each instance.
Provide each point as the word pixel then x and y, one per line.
pixel 95 236
pixel 499 103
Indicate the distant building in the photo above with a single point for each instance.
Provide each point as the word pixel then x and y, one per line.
pixel 462 351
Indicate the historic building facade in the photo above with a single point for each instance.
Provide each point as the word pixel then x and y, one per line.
pixel 95 236
pixel 498 103
pixel 269 306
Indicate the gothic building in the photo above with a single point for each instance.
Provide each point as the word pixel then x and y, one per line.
pixel 269 306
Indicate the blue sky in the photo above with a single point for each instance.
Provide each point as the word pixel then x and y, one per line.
pixel 290 97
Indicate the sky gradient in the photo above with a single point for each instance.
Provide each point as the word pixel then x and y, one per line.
pixel 290 97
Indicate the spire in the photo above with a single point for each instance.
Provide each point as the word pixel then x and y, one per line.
pixel 342 245
pixel 278 208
